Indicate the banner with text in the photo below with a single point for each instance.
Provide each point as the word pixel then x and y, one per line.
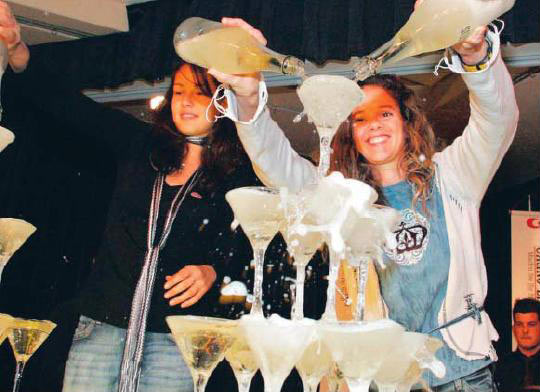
pixel 525 255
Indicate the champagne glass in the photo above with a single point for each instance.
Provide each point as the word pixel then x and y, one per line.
pixel 278 345
pixel 242 360
pixel 359 348
pixel 258 210
pixel 203 342
pixel 301 246
pixel 328 100
pixel 13 233
pixel 404 366
pixel 25 337
pixel 316 362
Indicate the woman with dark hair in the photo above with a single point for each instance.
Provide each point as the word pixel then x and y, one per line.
pixel 435 280
pixel 167 240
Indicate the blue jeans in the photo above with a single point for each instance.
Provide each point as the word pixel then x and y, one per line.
pixel 479 381
pixel 94 360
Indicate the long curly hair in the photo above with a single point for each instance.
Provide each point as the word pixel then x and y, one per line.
pixel 224 151
pixel 416 163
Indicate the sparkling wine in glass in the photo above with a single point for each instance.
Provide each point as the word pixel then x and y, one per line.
pixel 258 210
pixel 203 342
pixel 404 365
pixel 278 345
pixel 301 246
pixel 359 348
pixel 242 360
pixel 316 362
pixel 25 337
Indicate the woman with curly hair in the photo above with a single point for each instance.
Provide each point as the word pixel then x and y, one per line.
pixel 435 280
pixel 167 241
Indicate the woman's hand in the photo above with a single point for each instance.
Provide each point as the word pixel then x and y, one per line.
pixel 189 284
pixel 245 86
pixel 474 48
pixel 10 34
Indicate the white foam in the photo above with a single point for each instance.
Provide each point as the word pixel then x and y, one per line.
pixel 236 288
pixel 329 99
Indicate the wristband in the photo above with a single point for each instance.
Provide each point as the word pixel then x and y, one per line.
pixel 482 64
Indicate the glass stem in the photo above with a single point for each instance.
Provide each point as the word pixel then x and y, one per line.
pixel 324 155
pixel 2 265
pixel 358 384
pixel 299 301
pixel 244 381
pixel 311 386
pixel 330 310
pixel 18 375
pixel 199 382
pixel 257 306
pixel 361 298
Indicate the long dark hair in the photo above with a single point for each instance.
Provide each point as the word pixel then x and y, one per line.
pixel 417 161
pixel 224 151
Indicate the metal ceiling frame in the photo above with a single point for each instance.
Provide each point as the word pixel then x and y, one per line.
pixel 525 55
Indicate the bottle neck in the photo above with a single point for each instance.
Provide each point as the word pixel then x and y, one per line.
pixel 284 64
pixel 392 51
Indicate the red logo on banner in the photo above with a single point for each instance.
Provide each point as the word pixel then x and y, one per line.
pixel 533 223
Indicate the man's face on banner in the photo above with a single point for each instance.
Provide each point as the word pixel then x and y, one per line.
pixel 527 331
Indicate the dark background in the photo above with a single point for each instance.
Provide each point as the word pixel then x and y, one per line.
pixel 62 184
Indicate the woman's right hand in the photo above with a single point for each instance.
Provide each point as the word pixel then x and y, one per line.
pixel 245 86
pixel 10 34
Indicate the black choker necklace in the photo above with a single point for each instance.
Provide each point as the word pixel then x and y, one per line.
pixel 198 140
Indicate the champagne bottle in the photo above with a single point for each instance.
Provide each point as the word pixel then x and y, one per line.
pixel 434 25
pixel 229 49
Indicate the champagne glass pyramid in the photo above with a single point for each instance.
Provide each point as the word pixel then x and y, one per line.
pixel 328 100
pixel 242 360
pixel 278 345
pixel 258 210
pixel 360 348
pixel 316 362
pixel 25 337
pixel 403 367
pixel 13 233
pixel 203 342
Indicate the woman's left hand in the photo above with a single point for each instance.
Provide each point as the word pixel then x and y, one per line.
pixel 189 284
pixel 474 48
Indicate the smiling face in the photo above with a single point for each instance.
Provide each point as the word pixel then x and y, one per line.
pixel 189 103
pixel 378 128
pixel 527 331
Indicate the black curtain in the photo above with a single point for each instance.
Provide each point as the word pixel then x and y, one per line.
pixel 317 30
